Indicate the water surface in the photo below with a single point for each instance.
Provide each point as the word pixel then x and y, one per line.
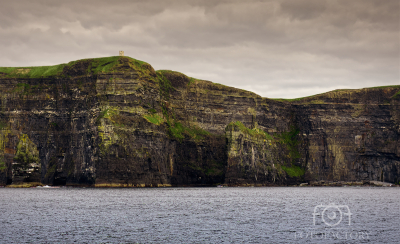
pixel 200 215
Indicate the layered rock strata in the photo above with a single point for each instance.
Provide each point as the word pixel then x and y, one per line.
pixel 117 122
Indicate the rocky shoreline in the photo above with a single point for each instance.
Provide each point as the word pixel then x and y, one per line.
pixel 311 184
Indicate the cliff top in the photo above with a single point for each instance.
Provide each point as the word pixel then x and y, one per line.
pixel 380 94
pixel 82 66
pixel 123 63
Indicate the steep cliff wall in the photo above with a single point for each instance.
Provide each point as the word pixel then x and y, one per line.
pixel 117 122
pixel 352 134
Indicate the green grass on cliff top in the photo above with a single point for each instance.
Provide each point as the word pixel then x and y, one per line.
pixel 312 96
pixel 97 65
pixel 31 72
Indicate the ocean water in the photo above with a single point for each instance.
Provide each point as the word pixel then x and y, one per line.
pixel 201 215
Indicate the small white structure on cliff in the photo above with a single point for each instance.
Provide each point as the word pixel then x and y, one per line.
pixel 121 53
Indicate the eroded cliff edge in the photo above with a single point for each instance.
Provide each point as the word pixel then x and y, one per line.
pixel 117 122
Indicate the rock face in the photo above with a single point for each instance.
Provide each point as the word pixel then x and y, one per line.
pixel 117 122
pixel 353 135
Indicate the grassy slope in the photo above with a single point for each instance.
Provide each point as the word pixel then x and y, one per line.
pixel 98 65
pixel 316 96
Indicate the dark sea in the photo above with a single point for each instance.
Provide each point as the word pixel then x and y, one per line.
pixel 201 215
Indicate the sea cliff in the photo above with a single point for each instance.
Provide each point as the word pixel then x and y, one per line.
pixel 117 122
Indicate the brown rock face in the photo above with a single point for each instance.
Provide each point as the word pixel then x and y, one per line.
pixel 117 122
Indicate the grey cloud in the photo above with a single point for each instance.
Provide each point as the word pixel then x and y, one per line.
pixel 276 48
pixel 304 9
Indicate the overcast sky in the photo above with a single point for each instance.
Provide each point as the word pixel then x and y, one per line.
pixel 275 48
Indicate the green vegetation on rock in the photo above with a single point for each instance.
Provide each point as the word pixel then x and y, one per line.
pixel 175 128
pixel 28 89
pixel 108 113
pixel 143 69
pixel 289 139
pixel 23 88
pixel 287 142
pixel 178 131
pixel 101 65
pixel 255 132
pixel 192 80
pixel 165 86
pixel 293 171
pixel 383 87
pixel 27 152
pixel 397 95
pixel 154 118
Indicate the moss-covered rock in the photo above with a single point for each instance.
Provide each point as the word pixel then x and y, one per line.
pixel 26 166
